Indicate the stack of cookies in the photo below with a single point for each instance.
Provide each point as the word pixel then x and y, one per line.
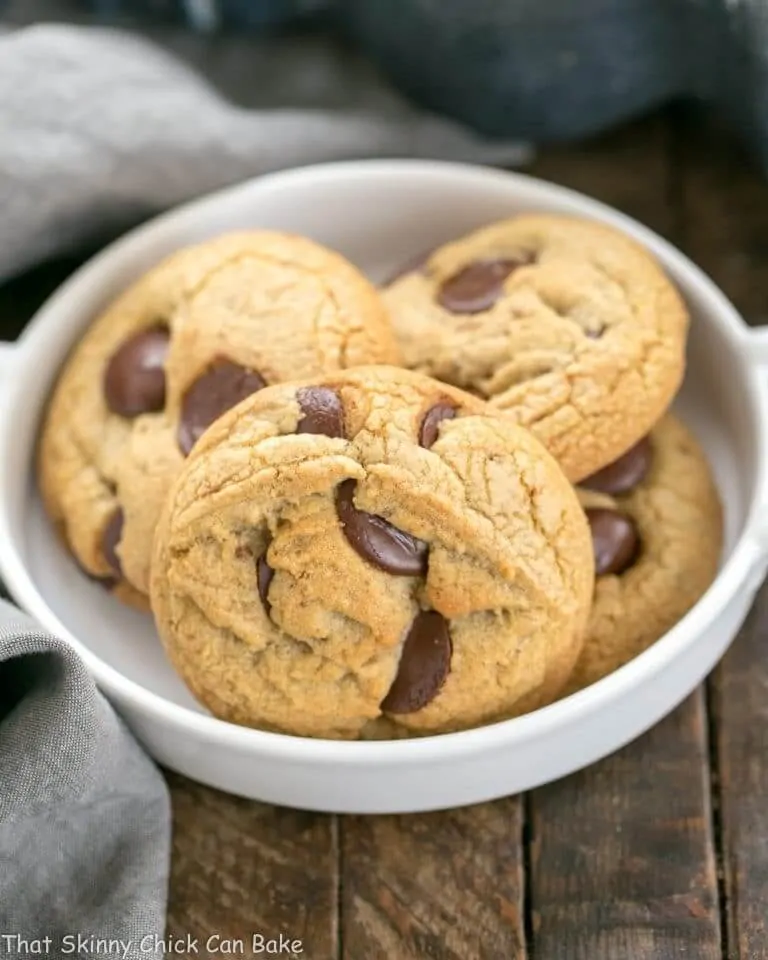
pixel 381 513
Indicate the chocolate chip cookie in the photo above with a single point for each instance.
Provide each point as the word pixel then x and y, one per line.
pixel 656 526
pixel 371 544
pixel 566 325
pixel 206 328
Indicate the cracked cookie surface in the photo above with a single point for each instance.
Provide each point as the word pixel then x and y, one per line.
pixel 656 521
pixel 205 328
pixel 565 325
pixel 371 547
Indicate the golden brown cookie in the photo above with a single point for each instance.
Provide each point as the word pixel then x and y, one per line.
pixel 566 325
pixel 657 531
pixel 371 544
pixel 210 325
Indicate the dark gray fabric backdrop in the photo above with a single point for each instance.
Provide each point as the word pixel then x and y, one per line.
pixel 534 69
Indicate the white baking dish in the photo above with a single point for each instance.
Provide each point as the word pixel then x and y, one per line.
pixel 379 213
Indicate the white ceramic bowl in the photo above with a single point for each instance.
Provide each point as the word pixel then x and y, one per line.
pixel 379 214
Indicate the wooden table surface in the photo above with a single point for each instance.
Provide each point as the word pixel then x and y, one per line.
pixel 660 851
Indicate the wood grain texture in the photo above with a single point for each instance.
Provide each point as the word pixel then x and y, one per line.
pixel 740 704
pixel 724 204
pixel 622 858
pixel 240 868
pixel 443 886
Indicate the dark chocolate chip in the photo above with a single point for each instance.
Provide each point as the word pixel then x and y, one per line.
pixel 110 538
pixel 323 412
pixel 264 574
pixel 221 387
pixel 615 540
pixel 623 474
pixel 432 420
pixel 134 381
pixel 477 286
pixel 376 540
pixel 594 334
pixel 425 662
pixel 414 265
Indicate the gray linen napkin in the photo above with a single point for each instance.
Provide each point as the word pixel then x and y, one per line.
pixel 98 129
pixel 84 814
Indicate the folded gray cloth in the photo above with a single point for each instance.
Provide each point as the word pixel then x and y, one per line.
pixel 100 129
pixel 84 814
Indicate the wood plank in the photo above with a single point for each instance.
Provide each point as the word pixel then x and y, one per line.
pixel 447 886
pixel 725 229
pixel 622 854
pixel 740 700
pixel 241 868
pixel 622 859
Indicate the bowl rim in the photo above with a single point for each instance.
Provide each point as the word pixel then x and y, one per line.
pixel 747 555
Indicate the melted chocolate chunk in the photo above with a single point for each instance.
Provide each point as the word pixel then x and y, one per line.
pixel 323 412
pixel 110 539
pixel 378 541
pixel 615 540
pixel 477 286
pixel 623 474
pixel 219 389
pixel 134 381
pixel 425 663
pixel 432 420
